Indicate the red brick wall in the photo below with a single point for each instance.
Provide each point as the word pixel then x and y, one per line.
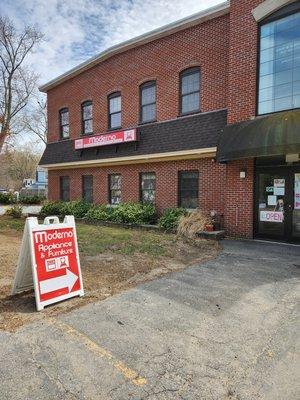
pixel 241 105
pixel 242 60
pixel 211 182
pixel 205 45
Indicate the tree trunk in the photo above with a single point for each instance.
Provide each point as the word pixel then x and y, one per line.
pixel 2 141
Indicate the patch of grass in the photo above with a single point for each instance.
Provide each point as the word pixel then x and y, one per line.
pixel 93 240
pixel 11 224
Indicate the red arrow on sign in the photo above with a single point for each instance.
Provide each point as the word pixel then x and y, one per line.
pixel 68 280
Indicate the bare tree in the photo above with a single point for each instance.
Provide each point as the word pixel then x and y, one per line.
pixel 35 119
pixel 16 81
pixel 19 164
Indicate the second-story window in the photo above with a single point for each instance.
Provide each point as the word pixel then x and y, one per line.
pixel 279 63
pixel 87 117
pixel 148 102
pixel 114 110
pixel 190 90
pixel 64 123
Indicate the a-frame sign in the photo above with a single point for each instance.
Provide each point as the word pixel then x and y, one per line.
pixel 49 261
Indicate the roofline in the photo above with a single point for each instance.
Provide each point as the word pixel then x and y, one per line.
pixel 184 23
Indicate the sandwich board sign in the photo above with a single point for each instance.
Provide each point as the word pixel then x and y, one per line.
pixel 49 261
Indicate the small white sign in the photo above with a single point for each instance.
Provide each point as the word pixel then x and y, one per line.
pixel 279 191
pixel 272 200
pixel 271 216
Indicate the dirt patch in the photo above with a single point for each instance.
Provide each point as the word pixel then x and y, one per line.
pixel 104 274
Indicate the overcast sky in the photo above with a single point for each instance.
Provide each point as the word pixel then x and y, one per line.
pixel 75 30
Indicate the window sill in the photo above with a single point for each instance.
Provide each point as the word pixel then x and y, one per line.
pixel 189 113
pixel 148 122
pixel 114 129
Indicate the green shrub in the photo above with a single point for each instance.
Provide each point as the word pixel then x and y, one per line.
pixel 15 211
pixel 7 198
pixel 78 208
pixel 134 213
pixel 52 208
pixel 99 213
pixel 170 218
pixel 33 199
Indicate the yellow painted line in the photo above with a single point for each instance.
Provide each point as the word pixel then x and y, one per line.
pixel 127 372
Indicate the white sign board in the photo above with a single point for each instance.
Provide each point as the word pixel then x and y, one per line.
pixel 271 216
pixel 49 261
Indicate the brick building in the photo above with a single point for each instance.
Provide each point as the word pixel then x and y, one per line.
pixel 199 113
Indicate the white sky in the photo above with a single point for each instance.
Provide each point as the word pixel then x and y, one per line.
pixel 75 30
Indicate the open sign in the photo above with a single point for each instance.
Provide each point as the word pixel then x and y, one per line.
pixel 271 216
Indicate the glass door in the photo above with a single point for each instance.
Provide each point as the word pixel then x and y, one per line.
pixel 296 207
pixel 271 200
pixel 277 204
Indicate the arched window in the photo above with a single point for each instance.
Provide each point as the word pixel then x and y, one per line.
pixel 87 117
pixel 64 123
pixel 148 102
pixel 279 61
pixel 190 91
pixel 114 110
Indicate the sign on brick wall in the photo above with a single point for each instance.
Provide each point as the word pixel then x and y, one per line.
pixel 106 139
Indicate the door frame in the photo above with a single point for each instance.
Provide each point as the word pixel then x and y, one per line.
pixel 288 172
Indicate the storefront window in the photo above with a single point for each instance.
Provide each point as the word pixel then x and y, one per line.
pixel 148 181
pixel 279 65
pixel 115 181
pixel 188 189
pixel 87 188
pixel 64 188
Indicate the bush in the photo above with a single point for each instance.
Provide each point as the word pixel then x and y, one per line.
pixel 99 213
pixel 78 208
pixel 193 223
pixel 52 208
pixel 33 199
pixel 7 198
pixel 170 218
pixel 15 211
pixel 134 213
pixel 129 213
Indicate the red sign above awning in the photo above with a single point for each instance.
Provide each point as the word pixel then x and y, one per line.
pixel 106 139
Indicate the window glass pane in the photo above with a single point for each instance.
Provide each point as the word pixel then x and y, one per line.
pixel 87 188
pixel 148 181
pixel 88 126
pixel 148 113
pixel 284 103
pixel 115 104
pixel 65 131
pixel 190 102
pixel 279 64
pixel 283 90
pixel 188 188
pixel 148 95
pixel 115 120
pixel 296 87
pixel 115 197
pixel 115 181
pixel 64 118
pixel 87 111
pixel 296 101
pixel 266 107
pixel 65 188
pixel 148 196
pixel 266 68
pixel 190 83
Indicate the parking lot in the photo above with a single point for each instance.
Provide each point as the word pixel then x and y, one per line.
pixel 226 329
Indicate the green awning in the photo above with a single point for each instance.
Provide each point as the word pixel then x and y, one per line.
pixel 270 135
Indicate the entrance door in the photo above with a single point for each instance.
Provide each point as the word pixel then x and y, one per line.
pixel 277 205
